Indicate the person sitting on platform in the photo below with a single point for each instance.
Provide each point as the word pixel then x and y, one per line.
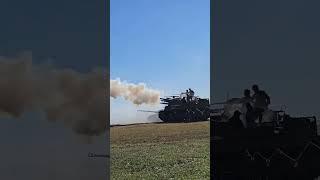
pixel 235 120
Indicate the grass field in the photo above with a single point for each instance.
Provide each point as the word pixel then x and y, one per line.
pixel 161 151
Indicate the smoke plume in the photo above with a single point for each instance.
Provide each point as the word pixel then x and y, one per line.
pixel 77 99
pixel 136 93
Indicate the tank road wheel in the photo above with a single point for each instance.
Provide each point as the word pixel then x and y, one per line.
pixel 188 116
pixel 162 116
pixel 180 115
pixel 197 115
pixel 185 117
pixel 170 117
pixel 193 116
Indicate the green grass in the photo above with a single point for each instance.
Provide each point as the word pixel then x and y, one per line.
pixel 161 151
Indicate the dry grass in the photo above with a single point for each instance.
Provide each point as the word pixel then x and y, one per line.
pixel 161 151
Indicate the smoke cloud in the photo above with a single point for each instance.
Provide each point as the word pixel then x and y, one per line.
pixel 77 99
pixel 136 93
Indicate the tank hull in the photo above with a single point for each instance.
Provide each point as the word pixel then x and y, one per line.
pixel 176 116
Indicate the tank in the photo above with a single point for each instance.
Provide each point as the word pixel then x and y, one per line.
pixel 184 108
pixel 280 147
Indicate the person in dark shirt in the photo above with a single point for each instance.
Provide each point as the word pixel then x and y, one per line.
pixel 188 95
pixel 235 120
pixel 261 100
pixel 247 93
pixel 191 92
pixel 184 100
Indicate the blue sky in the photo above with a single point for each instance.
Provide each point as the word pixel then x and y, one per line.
pixel 164 44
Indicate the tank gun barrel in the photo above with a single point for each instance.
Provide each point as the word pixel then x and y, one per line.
pixel 165 98
pixel 174 96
